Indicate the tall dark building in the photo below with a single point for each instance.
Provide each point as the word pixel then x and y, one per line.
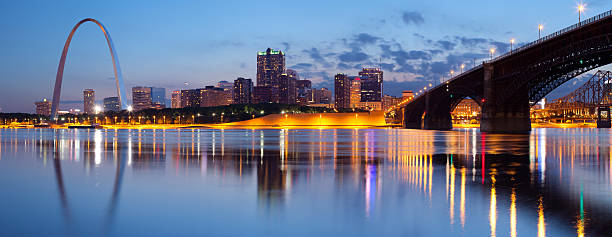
pixel 303 88
pixel 270 65
pixel 371 84
pixel 243 91
pixel 287 89
pixel 342 91
pixel 111 104
pixel 89 98
pixel 321 96
pixel 190 98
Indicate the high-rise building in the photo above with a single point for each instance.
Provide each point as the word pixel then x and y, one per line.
pixel 342 86
pixel 89 98
pixel 265 94
pixel 287 89
pixel 321 96
pixel 243 91
pixel 158 96
pixel 190 98
pixel 43 107
pixel 111 104
pixel 371 84
pixel 176 99
pixel 270 65
pixel 304 88
pixel 141 98
pixel 355 94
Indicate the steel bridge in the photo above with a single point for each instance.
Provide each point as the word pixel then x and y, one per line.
pixel 505 87
pixel 590 101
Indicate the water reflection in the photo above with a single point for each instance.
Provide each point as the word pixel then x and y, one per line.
pixel 519 185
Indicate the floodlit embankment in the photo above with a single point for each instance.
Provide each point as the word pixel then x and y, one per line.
pixel 366 119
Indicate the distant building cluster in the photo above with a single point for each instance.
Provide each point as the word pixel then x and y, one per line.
pixel 274 84
pixel 363 91
pixel 467 111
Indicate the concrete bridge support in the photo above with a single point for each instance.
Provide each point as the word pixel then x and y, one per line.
pixel 502 116
pixel 440 121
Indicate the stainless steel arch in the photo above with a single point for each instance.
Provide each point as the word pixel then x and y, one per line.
pixel 60 69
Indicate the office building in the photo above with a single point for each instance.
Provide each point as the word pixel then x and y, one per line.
pixel 371 84
pixel 158 96
pixel 175 100
pixel 190 98
pixel 321 96
pixel 287 89
pixel 111 104
pixel 225 85
pixel 355 92
pixel 390 101
pixel 342 86
pixel 141 98
pixel 43 107
pixel 270 65
pixel 214 96
pixel 89 98
pixel 243 91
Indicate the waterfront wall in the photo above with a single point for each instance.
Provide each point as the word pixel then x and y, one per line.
pixel 317 119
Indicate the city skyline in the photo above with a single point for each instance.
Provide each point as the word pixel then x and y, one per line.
pixel 399 38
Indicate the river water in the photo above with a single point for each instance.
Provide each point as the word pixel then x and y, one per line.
pixel 305 182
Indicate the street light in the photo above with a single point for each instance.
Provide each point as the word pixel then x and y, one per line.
pixel 462 66
pixel 492 50
pixel 580 10
pixel 97 109
pixel 511 44
pixel 452 72
pixel 540 27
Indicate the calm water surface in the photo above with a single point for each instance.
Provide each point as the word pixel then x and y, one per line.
pixel 305 182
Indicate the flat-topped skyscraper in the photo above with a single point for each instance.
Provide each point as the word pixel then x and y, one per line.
pixel 270 66
pixel 89 98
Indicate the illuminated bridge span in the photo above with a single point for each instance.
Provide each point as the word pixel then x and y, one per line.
pixel 60 69
pixel 506 86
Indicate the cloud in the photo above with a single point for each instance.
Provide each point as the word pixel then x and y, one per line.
pixel 445 44
pixel 365 38
pixel 286 45
pixel 302 66
pixel 413 17
pixel 471 42
pixel 315 55
pixel 353 56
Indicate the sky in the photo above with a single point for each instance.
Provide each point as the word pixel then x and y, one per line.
pixel 191 44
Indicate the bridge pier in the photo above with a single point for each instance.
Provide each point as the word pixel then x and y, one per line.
pixel 441 121
pixel 502 116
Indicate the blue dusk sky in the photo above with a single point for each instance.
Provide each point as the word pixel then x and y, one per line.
pixel 170 43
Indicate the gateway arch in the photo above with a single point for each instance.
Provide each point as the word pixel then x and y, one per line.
pixel 60 69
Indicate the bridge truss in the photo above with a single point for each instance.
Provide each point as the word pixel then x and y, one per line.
pixel 595 93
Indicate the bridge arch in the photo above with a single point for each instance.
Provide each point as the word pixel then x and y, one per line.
pixel 60 69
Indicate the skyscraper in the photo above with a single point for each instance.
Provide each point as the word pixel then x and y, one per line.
pixel 111 104
pixel 355 92
pixel 89 97
pixel 270 65
pixel 176 99
pixel 265 94
pixel 158 96
pixel 243 91
pixel 371 84
pixel 141 97
pixel 287 89
pixel 342 94
pixel 43 107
